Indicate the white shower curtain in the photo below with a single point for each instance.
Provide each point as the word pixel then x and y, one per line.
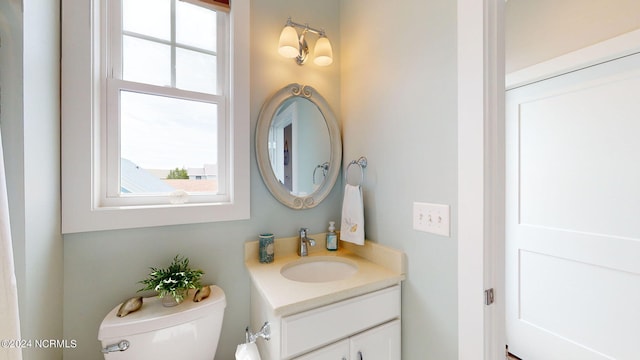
pixel 9 321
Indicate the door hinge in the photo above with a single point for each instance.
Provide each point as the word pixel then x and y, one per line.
pixel 488 296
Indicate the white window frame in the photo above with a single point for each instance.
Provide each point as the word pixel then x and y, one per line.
pixel 110 172
pixel 84 133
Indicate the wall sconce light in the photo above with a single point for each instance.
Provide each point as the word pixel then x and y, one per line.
pixel 293 46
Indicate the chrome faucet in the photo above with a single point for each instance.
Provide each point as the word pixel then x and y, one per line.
pixel 303 248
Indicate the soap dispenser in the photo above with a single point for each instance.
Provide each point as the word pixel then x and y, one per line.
pixel 332 237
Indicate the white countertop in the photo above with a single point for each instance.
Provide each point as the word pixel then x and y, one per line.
pixel 378 267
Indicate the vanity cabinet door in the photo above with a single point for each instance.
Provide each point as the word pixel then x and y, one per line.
pixel 380 343
pixel 337 351
pixel 327 324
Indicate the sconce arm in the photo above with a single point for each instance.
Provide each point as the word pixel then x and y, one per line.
pixel 305 27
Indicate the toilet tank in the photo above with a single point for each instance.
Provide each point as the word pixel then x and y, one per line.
pixel 190 330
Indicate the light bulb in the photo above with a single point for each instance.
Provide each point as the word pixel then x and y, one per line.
pixel 323 52
pixel 288 46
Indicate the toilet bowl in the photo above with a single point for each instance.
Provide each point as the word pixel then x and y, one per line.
pixel 190 330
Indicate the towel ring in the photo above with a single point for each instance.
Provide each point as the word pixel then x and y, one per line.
pixel 362 164
pixel 325 169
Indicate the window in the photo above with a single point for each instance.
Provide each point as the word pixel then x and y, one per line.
pixel 155 129
pixel 166 93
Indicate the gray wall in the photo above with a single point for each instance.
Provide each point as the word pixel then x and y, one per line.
pixel 399 110
pixel 102 268
pixel 29 86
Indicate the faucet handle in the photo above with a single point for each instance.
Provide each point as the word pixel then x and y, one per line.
pixel 303 232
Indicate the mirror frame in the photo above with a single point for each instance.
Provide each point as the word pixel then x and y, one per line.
pixel 265 118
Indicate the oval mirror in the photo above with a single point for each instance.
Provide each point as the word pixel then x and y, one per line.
pixel 298 146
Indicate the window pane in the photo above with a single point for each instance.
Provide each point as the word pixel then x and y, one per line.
pixel 195 26
pixel 147 17
pixel 196 71
pixel 146 61
pixel 160 134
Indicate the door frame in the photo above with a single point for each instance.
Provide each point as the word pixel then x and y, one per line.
pixel 611 49
pixel 481 91
pixel 480 178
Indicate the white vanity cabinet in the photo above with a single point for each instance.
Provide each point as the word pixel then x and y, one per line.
pixel 379 343
pixel 356 317
pixel 367 325
pixel 337 351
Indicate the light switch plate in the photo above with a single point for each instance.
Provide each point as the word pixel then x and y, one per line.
pixel 431 218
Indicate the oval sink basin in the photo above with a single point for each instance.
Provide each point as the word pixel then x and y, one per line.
pixel 319 269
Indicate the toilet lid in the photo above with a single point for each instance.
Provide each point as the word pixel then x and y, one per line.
pixel 154 316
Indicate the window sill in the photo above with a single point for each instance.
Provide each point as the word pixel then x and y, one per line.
pixel 111 218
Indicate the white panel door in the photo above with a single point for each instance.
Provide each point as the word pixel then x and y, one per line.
pixel 573 215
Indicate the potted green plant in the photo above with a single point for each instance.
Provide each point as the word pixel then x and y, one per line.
pixel 173 283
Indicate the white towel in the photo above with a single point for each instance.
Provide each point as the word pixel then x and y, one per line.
pixel 352 226
pixel 247 351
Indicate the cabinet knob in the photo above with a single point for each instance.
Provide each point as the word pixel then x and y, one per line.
pixel 359 355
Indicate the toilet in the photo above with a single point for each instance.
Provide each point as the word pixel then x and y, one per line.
pixel 190 330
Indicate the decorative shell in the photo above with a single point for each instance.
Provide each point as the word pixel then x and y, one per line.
pixel 202 293
pixel 132 305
